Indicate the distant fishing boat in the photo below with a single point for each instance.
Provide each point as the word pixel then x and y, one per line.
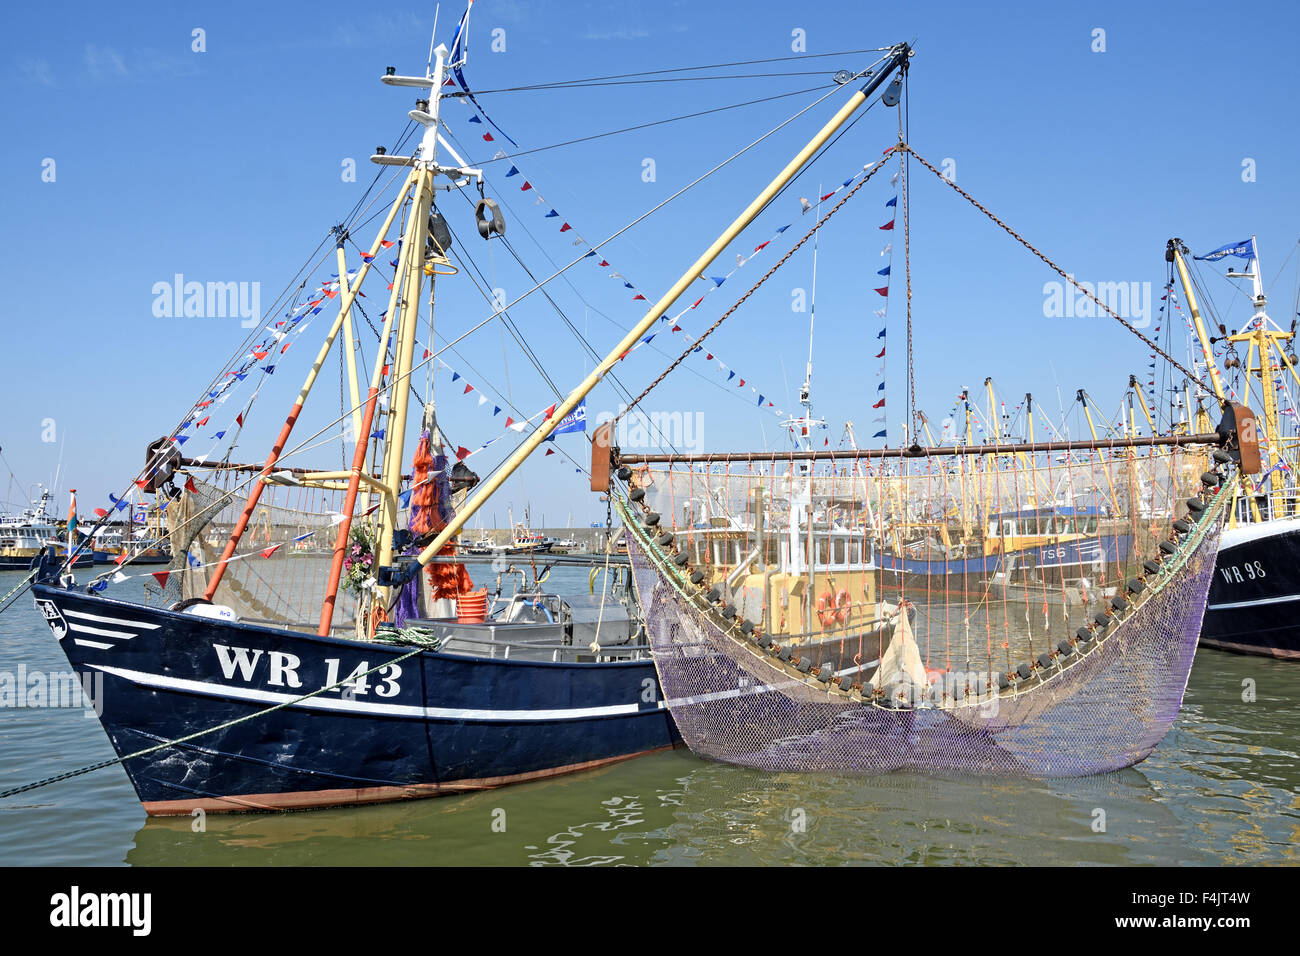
pixel 1254 601
pixel 23 537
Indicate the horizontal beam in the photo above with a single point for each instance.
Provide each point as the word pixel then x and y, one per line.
pixel 918 451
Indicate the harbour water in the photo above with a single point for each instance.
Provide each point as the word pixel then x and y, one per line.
pixel 1222 788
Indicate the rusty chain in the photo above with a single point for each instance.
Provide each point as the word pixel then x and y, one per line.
pixel 1024 242
pixel 752 289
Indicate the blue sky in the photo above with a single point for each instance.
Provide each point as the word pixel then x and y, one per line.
pixel 225 165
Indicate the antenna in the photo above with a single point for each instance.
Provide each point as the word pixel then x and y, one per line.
pixel 433 39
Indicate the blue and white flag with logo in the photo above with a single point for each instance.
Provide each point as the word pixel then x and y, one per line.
pixel 575 421
pixel 1242 250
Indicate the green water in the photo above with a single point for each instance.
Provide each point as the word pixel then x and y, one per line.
pixel 1222 788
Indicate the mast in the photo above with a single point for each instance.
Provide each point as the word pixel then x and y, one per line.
pixel 1175 250
pixel 897 60
pixel 805 422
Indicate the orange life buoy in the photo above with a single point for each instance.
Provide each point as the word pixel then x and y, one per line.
pixel 843 606
pixel 826 610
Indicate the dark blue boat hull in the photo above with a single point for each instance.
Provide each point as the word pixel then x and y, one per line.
pixel 429 725
pixel 1254 602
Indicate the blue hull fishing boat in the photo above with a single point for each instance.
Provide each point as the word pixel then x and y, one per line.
pixel 417 724
pixel 368 668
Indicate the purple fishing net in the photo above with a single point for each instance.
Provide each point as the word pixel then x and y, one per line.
pixel 1108 708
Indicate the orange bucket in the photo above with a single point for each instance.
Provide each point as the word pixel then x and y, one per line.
pixel 471 607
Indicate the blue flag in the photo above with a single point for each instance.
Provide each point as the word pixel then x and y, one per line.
pixel 1242 250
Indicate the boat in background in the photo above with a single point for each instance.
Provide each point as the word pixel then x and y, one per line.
pixel 1254 602
pixel 24 537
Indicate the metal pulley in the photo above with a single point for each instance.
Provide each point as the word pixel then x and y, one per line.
pixel 893 93
pixel 439 234
pixel 488 218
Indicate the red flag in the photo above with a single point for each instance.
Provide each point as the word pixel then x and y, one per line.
pixel 190 486
pixel 286 347
pixel 881 354
pixel 468 388
pixel 549 451
pixel 488 138
pixel 260 355
pixel 101 513
pixel 386 243
pixel 742 384
pixel 550 411
pixel 889 225
pixel 267 552
pixel 239 419
pixel 204 404
pixel 708 356
pixel 119 559
pixel 603 262
pixel 140 483
pixel 509 421
pixel 427 353
pixel 879 404
pixel 461 453
pixel 676 328
pixel 638 296
pixel 161 577
pixel 526 186
pixel 697 302
pixel 201 422
pixel 565 228
pixel 883 291
pixel 761 245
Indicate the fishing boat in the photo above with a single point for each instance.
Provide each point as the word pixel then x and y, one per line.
pixel 378 672
pixel 1254 602
pixel 23 537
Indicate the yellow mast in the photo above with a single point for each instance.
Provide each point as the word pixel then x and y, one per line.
pixel 897 59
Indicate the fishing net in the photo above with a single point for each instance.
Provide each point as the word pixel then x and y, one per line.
pixel 1028 614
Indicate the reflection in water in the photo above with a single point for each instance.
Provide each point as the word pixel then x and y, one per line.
pixel 1221 788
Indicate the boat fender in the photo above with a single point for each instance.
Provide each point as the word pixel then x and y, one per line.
pixel 216 612
pixel 1135 586
pixel 624 473
pixel 1221 456
pixel 651 519
pixel 1065 648
pixel 1182 527
pixel 714 595
pixel 1196 506
pixel 1024 670
pixel 1045 659
pixel 805 665
pixel 1119 602
pixel 1152 567
pixel 1003 682
pixel 1211 479
pixel 784 654
pixel 747 628
pixel 697 577
pixel 729 612
pixel 764 641
pixel 1084 635
pixel 636 494
pixel 825 673
pixel 1102 620
pixel 664 539
pixel 680 559
pixel 846 683
pixel 1168 547
pixel 488 218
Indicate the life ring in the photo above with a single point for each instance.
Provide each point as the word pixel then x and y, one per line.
pixel 826 610
pixel 843 607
